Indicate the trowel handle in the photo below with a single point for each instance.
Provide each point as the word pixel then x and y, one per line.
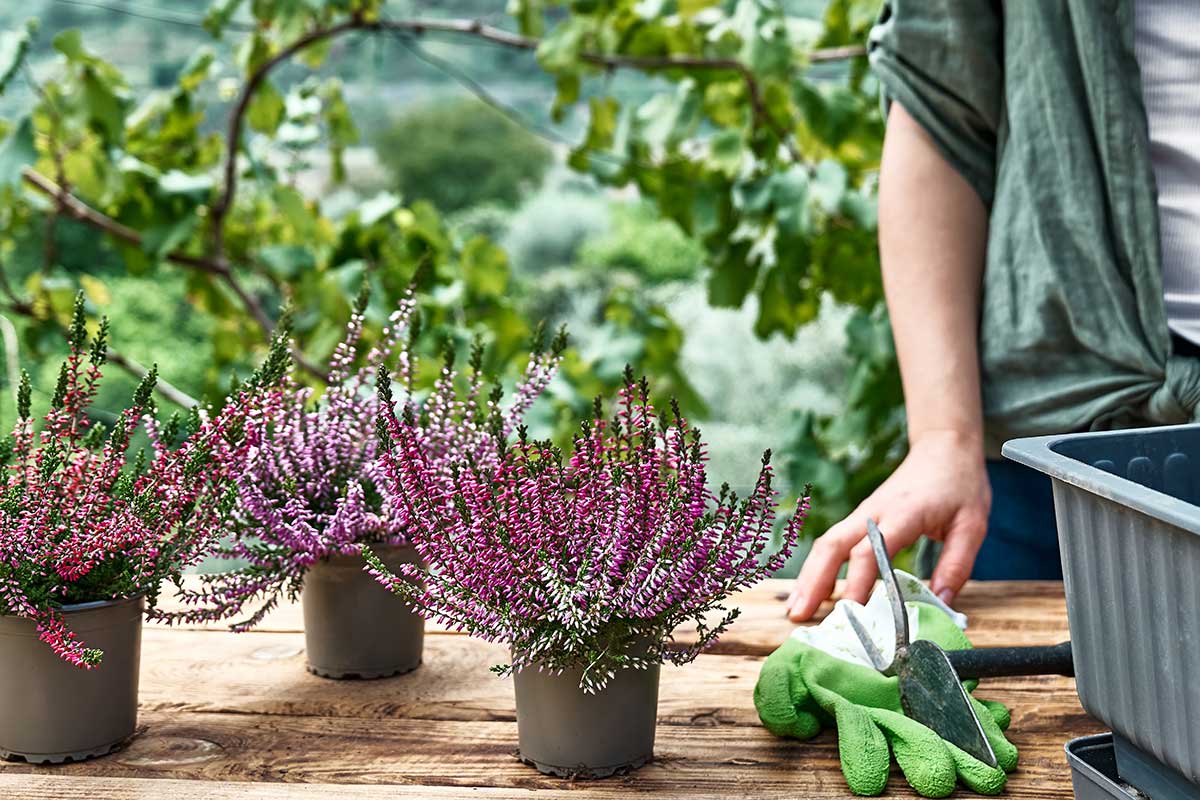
pixel 1010 662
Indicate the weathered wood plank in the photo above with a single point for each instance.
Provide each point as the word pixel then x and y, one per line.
pixel 718 760
pixel 263 673
pixel 1001 613
pixel 50 786
pixel 236 716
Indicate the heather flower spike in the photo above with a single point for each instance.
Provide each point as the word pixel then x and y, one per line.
pixel 80 521
pixel 592 560
pixel 315 486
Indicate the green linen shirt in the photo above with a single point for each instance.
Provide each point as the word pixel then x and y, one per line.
pixel 1037 103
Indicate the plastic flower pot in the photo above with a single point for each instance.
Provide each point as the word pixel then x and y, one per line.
pixel 353 626
pixel 564 731
pixel 51 711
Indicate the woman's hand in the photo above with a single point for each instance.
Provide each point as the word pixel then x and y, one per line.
pixel 940 490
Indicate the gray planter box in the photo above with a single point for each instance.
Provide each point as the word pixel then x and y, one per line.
pixel 1128 525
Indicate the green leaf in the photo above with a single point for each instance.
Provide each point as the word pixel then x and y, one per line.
pixel 162 238
pixel 789 194
pixel 197 69
pixel 559 51
pixel 528 14
pixel 726 150
pixel 14 47
pixel 730 283
pixel 70 44
pixel 17 151
pixel 377 208
pixel 828 186
pixel 195 188
pixel 219 14
pixel 266 109
pixel 106 104
pixel 485 268
pixel 287 261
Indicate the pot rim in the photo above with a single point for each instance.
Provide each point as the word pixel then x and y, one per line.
pixel 91 605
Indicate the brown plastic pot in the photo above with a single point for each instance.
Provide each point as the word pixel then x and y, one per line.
pixel 563 731
pixel 353 626
pixel 51 711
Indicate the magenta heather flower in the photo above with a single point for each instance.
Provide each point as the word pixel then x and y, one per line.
pixel 79 522
pixel 589 561
pixel 313 486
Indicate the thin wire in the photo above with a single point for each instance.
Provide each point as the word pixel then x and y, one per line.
pixel 157 16
pixel 471 84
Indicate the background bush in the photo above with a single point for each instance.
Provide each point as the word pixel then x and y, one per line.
pixel 461 153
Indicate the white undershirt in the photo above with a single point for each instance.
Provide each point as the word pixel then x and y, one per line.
pixel 1167 43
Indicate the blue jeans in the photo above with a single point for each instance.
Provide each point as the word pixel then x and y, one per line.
pixel 1022 538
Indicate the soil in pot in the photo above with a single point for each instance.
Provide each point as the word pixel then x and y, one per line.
pixel 353 626
pixel 51 711
pixel 565 732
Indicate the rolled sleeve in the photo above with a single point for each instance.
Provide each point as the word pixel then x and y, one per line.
pixel 942 60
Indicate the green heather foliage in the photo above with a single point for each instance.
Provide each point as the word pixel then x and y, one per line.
pixel 461 153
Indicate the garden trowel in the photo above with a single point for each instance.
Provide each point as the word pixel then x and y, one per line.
pixel 930 678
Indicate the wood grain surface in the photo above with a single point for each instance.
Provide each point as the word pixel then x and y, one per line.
pixel 228 715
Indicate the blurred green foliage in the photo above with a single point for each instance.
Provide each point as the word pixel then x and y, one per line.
pixel 654 249
pixel 461 153
pixel 753 143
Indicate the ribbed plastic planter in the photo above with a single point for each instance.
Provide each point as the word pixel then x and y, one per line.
pixel 51 711
pixel 1127 505
pixel 563 731
pixel 353 626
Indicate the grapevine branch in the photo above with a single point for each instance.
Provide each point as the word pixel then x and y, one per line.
pixel 499 36
pixel 76 209
pixel 217 265
pixel 162 386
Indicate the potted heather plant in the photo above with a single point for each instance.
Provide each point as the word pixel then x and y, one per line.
pixel 584 565
pixel 310 496
pixel 87 535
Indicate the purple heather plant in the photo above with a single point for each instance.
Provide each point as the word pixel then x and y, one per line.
pixel 592 561
pixel 313 487
pixel 82 522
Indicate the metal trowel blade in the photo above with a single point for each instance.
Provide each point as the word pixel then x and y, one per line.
pixel 932 694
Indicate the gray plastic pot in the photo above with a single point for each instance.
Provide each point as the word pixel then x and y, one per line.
pixel 563 731
pixel 353 626
pixel 50 711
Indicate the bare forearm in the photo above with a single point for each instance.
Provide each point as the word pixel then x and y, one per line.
pixel 932 237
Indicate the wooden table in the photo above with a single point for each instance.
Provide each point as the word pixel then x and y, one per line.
pixel 228 715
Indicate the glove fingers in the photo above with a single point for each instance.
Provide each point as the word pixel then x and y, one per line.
pixel 1000 713
pixel 1006 753
pixel 975 775
pixel 781 699
pixel 866 760
pixel 922 755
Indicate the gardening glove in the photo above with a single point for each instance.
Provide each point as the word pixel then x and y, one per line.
pixel 821 677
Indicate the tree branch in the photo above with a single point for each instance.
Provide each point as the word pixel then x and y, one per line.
pixel 163 387
pixel 220 209
pixel 480 30
pixel 76 209
pixel 175 395
pixel 499 36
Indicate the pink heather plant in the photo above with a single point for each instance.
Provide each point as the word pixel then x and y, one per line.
pixel 80 523
pixel 313 487
pixel 589 562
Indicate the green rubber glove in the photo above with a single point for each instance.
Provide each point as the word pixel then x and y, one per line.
pixel 802 690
